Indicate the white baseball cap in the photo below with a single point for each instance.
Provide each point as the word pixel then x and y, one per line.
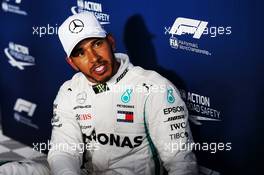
pixel 78 27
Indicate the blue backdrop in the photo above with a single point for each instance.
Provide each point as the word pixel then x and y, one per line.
pixel 219 72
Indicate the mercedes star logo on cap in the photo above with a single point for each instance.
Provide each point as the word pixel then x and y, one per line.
pixel 76 26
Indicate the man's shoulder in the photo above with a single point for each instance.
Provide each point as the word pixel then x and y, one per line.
pixel 74 83
pixel 150 76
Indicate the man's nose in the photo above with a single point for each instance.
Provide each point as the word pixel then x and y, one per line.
pixel 92 55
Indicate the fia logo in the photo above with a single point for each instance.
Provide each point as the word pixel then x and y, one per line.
pixel 170 97
pixel 174 42
pixel 126 96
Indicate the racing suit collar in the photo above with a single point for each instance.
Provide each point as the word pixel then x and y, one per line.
pixel 125 65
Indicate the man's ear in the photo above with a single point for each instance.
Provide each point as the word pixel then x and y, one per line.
pixel 111 41
pixel 71 63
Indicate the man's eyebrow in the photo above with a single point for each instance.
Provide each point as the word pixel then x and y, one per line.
pixel 95 40
pixel 80 45
pixel 78 49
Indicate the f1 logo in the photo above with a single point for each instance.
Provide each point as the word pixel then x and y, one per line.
pixel 26 106
pixel 190 26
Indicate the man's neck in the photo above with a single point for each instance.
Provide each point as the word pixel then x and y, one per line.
pixel 115 67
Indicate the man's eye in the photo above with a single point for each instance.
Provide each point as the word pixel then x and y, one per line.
pixel 98 43
pixel 78 53
pixel 81 54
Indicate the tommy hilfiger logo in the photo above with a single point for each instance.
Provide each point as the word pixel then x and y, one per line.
pixel 125 116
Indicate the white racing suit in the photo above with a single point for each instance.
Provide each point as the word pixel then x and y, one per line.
pixel 134 124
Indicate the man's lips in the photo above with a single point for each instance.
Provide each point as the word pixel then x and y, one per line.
pixel 100 69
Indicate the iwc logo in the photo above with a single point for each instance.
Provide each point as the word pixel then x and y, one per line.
pixel 76 26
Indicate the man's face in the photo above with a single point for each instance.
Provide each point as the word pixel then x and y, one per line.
pixel 95 59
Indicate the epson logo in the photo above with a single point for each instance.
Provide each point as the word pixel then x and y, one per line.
pixel 173 109
pixel 22 105
pixel 189 26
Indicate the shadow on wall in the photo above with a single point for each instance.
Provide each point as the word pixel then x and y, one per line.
pixel 141 51
pixel 0 119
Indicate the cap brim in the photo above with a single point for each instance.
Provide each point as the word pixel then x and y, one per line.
pixel 74 43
